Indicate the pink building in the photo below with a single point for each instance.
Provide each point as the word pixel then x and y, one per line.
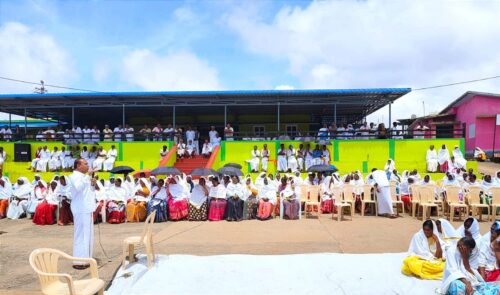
pixel 473 116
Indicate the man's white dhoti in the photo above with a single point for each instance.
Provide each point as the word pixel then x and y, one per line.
pixel 83 239
pixel 282 164
pixel 97 164
pixel 292 163
pixel 384 200
pixel 255 161
pixel 108 163
pixel 17 208
pixel 41 165
pixel 265 160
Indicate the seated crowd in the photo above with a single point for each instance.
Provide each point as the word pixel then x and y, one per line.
pixel 466 261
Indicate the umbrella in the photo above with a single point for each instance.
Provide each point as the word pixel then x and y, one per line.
pixel 231 171
pixel 203 172
pixel 166 171
pixel 122 170
pixel 233 165
pixel 146 172
pixel 322 168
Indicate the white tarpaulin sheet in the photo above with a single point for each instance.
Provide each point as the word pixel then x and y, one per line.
pixel 322 273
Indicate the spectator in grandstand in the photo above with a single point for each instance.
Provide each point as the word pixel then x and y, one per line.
pixel 145 131
pixel 333 131
pixel 190 150
pixel 181 149
pixel 396 131
pixel 77 133
pixel 157 130
pixel 364 131
pixel 163 151
pixel 217 141
pixel 100 158
pixel 110 159
pixel 381 131
pixel 169 132
pixel 190 134
pixel 206 151
pixel 118 131
pixel 323 132
pixel 50 134
pixel 96 134
pixel 178 135
pixel 228 132
pixel 129 132
pixel 108 133
pixel 341 131
pixel 45 156
pixel 87 134
pixel 212 134
pixel 255 160
pixel 373 130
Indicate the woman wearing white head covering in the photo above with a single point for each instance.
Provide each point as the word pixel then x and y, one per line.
pixel 389 166
pixel 5 194
pixel 198 201
pixel 137 207
pixel 267 200
pixel 117 201
pixel 158 202
pixel 443 158
pixel 178 194
pixel 489 266
pixel 217 204
pixel 470 228
pixel 383 192
pixel 101 198
pixel 432 159
pixel 291 201
pixel 21 193
pixel 425 254
pixel 479 154
pixel 37 197
pixel 326 192
pixel 63 193
pixel 447 233
pixel 460 276
pixel 459 158
pixel 45 211
pixel 496 179
pixel 235 202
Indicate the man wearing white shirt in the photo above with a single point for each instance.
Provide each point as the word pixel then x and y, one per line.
pixel 87 134
pixel 77 133
pixel 118 133
pixel 110 159
pixel 228 132
pixel 207 149
pixel 82 207
pixel 190 134
pixel 212 134
pixel 190 149
pixel 129 133
pixel 7 136
pixel 2 132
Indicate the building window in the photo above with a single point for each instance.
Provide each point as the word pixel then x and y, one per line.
pixel 291 130
pixel 259 130
pixel 472 130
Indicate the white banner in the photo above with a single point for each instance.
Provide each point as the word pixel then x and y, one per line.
pixel 498 119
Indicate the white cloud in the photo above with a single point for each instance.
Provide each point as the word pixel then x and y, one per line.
pixel 284 87
pixel 174 71
pixel 101 71
pixel 365 44
pixel 26 54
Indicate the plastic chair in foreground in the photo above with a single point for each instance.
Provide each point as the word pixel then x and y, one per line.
pixel 367 199
pixel 339 204
pixel 475 205
pixel 453 199
pixel 44 262
pixel 145 238
pixel 313 200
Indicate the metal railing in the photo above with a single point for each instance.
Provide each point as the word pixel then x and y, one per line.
pixel 71 138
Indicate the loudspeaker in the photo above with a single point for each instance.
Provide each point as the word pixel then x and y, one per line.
pixel 22 152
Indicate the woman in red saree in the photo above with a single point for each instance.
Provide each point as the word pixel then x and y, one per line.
pixel 218 202
pixel 45 211
pixel 178 195
pixel 63 194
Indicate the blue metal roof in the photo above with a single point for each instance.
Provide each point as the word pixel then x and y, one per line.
pixel 305 92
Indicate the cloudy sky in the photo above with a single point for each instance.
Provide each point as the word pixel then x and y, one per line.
pixel 205 45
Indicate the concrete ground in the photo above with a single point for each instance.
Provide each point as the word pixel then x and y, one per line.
pixel 488 167
pixel 362 235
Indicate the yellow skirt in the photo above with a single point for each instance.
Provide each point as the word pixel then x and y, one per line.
pixel 136 211
pixel 424 269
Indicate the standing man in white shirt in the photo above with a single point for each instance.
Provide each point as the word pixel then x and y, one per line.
pixel 228 132
pixel 118 133
pixel 129 132
pixel 82 207
pixel 212 134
